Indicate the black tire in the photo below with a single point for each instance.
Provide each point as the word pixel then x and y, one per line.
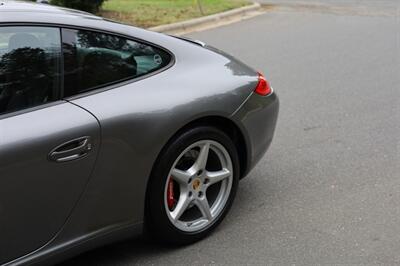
pixel 158 225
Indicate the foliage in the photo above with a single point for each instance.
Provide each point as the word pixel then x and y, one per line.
pixel 92 6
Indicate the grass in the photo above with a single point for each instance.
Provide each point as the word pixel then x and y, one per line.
pixel 149 13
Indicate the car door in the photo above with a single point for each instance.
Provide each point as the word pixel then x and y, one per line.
pixel 48 147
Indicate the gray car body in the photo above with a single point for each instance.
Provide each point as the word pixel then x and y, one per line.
pixel 50 211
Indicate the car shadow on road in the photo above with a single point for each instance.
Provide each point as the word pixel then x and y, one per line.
pixel 121 253
pixel 254 195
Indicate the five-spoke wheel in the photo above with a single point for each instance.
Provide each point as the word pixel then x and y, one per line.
pixel 195 194
pixel 192 186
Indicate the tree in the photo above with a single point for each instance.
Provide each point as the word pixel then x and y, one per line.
pixel 91 6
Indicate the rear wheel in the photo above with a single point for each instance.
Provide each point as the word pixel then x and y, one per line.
pixel 192 186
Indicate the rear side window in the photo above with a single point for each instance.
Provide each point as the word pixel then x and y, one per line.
pixel 93 60
pixel 29 66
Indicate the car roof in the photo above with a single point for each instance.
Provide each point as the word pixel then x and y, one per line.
pixel 21 8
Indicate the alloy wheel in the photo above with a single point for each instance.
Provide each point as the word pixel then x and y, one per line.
pixel 198 186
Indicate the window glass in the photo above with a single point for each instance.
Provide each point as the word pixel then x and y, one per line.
pixel 93 60
pixel 29 66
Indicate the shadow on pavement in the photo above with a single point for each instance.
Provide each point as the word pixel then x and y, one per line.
pixel 122 253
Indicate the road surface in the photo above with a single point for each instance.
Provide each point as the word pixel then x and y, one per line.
pixel 328 190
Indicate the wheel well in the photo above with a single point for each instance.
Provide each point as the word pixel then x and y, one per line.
pixel 225 125
pixel 230 129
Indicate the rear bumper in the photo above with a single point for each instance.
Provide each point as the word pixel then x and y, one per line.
pixel 257 119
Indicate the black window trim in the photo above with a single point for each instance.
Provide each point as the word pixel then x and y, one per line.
pixel 123 82
pixel 60 99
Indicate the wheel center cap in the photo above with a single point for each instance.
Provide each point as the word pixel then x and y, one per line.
pixel 196 184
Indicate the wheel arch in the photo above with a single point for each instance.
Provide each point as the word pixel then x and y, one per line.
pixel 224 124
pixel 227 126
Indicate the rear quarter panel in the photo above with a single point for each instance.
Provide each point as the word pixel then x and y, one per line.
pixel 139 118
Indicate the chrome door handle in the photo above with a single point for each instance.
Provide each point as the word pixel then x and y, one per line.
pixel 71 150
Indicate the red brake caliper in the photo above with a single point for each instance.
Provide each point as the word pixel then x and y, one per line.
pixel 170 194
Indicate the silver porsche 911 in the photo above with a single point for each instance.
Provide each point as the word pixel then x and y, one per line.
pixel 108 131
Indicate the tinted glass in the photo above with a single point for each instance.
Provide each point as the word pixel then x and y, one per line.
pixel 29 66
pixel 93 60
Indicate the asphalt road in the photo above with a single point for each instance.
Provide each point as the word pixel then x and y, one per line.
pixel 328 190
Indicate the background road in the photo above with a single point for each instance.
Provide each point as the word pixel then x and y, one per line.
pixel 351 3
pixel 328 190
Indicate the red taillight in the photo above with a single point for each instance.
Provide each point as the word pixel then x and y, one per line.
pixel 263 88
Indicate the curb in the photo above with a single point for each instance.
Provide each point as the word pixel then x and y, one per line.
pixel 194 23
